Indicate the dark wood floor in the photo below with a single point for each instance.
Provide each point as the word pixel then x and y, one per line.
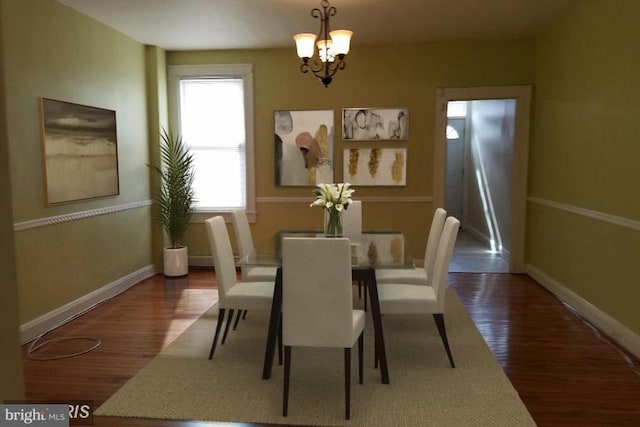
pixel 566 373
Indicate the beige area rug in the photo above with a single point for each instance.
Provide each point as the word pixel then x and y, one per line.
pixel 182 384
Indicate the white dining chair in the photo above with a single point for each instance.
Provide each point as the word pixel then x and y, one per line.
pixel 351 218
pixel 418 275
pixel 317 306
pixel 245 247
pixel 409 298
pixel 232 295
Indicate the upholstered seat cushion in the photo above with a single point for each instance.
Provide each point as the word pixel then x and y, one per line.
pixel 417 276
pixel 249 296
pixel 396 298
pixel 261 274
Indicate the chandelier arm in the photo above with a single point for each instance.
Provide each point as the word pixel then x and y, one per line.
pixel 323 70
pixel 316 13
pixel 332 68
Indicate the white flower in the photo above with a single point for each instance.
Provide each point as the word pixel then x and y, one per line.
pixel 333 197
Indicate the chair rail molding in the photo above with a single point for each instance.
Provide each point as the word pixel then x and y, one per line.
pixel 73 216
pixel 601 216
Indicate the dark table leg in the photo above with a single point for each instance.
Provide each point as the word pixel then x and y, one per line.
pixel 274 323
pixel 370 278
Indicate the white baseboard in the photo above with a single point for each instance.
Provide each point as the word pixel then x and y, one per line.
pixel 615 330
pixel 63 314
pixel 200 260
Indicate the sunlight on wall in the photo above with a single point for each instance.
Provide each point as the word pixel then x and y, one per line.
pixel 495 239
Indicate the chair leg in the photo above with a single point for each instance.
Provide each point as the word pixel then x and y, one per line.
pixel 347 383
pixel 279 341
pixel 361 355
pixel 235 325
pixel 365 298
pixel 375 353
pixel 215 337
pixel 244 315
pixel 287 372
pixel 439 319
pixel 226 327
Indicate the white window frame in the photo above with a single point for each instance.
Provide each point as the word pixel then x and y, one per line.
pixel 244 71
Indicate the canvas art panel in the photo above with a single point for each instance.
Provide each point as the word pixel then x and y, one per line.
pixel 80 151
pixel 303 147
pixel 366 124
pixel 375 166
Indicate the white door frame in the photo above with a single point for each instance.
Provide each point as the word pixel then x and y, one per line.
pixel 522 95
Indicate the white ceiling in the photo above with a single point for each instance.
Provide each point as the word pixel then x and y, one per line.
pixel 243 24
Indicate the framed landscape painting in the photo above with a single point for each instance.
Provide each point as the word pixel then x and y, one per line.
pixel 80 151
pixel 303 147
pixel 367 124
pixel 375 166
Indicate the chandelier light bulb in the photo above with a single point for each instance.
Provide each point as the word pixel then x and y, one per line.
pixel 305 44
pixel 325 51
pixel 340 41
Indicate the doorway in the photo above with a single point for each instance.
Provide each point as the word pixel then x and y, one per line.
pixel 481 148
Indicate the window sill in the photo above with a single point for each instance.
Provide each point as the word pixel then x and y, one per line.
pixel 200 216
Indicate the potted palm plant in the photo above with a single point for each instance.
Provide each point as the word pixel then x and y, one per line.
pixel 175 199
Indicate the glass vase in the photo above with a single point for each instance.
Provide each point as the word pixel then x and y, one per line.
pixel 334 224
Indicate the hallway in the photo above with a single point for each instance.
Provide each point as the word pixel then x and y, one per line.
pixel 472 256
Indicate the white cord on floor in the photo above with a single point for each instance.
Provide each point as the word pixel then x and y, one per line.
pixel 33 347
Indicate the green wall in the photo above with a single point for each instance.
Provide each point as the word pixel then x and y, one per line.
pixel 56 52
pixel 157 105
pixel 584 153
pixel 376 76
pixel 11 387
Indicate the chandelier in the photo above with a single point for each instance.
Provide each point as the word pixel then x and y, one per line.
pixel 333 46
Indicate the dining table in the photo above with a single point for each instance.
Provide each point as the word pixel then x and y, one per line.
pixel 369 250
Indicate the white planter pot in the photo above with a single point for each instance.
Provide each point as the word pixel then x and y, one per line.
pixel 176 262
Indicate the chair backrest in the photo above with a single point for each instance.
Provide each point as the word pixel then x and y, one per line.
pixel 222 255
pixel 243 235
pixel 317 302
pixel 435 232
pixel 351 218
pixel 443 259
pixel 242 231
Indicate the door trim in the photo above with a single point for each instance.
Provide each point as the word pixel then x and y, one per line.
pixel 522 95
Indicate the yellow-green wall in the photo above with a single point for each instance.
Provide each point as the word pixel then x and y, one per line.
pixel 376 76
pixel 157 106
pixel 584 153
pixel 52 51
pixel 11 387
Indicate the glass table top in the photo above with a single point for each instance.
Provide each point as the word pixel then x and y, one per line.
pixel 370 249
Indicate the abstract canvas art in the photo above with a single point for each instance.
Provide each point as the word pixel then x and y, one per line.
pixel 303 147
pixel 375 166
pixel 366 124
pixel 80 151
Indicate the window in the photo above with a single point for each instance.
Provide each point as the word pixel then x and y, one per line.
pixel 211 107
pixel 452 133
pixel 457 109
